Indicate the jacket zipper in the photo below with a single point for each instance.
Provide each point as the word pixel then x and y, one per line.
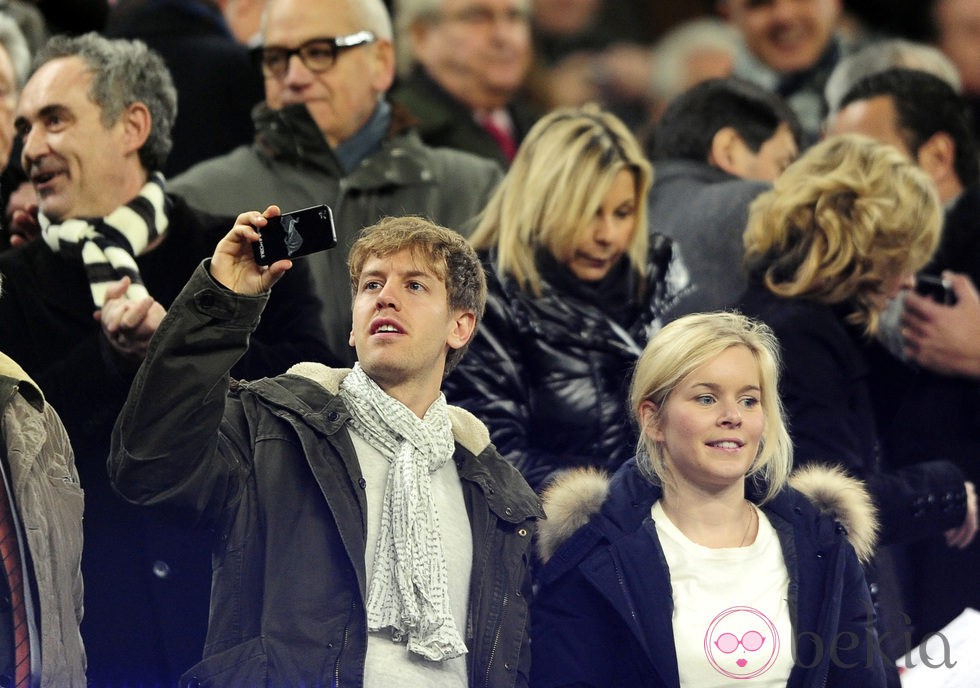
pixel 496 637
pixel 343 648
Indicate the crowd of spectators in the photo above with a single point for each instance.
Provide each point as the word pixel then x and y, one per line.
pixel 615 165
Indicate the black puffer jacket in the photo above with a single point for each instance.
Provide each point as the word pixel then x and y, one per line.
pixel 549 374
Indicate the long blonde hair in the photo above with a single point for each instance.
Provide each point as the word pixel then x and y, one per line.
pixel 557 181
pixel 845 217
pixel 679 349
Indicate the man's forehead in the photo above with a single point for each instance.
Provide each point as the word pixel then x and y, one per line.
pixel 58 80
pixel 748 5
pixel 410 261
pixel 875 116
pixel 299 20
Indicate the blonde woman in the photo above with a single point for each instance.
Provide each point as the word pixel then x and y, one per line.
pixel 696 564
pixel 840 234
pixel 576 286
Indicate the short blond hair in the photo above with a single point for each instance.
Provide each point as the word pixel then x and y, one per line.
pixel 679 349
pixel 444 251
pixel 848 215
pixel 557 181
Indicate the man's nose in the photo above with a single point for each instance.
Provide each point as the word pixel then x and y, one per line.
pixel 386 298
pixel 34 146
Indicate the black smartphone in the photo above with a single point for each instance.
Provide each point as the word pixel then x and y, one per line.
pixel 936 288
pixel 295 234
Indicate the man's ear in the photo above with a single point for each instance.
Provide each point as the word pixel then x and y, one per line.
pixel 464 325
pixel 382 65
pixel 650 421
pixel 937 158
pixel 137 124
pixel 727 150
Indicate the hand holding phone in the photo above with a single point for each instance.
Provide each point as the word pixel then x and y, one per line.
pixel 295 234
pixel 936 288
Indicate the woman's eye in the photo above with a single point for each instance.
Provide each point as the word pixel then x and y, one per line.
pixel 705 399
pixel 750 402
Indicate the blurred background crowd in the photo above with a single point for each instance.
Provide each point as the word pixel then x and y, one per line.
pixel 453 109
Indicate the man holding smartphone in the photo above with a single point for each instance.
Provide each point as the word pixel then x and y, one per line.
pixel 80 306
pixel 367 533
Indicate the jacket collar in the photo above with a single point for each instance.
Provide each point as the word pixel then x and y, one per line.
pixel 9 368
pixel 624 501
pixel 674 168
pixel 291 135
pixel 309 391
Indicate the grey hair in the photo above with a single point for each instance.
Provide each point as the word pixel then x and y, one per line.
pixel 883 55
pixel 371 15
pixel 124 72
pixel 675 49
pixel 408 13
pixel 12 40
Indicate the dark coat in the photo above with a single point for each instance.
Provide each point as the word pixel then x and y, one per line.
pixel 549 374
pixel 602 614
pixel 217 82
pixel 831 417
pixel 273 468
pixel 444 122
pixel 705 210
pixel 146 581
pixel 919 410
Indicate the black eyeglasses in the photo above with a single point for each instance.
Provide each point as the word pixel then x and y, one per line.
pixel 318 54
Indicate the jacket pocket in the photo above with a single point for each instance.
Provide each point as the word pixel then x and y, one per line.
pixel 242 666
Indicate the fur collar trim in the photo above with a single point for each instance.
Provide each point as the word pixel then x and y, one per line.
pixel 468 430
pixel 574 497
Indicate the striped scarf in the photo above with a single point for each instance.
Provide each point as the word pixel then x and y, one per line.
pixel 108 246
pixel 409 590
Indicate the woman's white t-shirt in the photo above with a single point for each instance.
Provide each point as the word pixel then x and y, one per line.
pixel 731 615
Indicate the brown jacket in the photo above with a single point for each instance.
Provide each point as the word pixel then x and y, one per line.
pixel 40 467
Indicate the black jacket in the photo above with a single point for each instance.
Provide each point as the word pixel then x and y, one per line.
pixel 273 469
pixel 549 374
pixel 146 581
pixel 828 402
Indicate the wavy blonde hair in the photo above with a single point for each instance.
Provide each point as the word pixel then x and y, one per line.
pixel 557 181
pixel 850 214
pixel 683 346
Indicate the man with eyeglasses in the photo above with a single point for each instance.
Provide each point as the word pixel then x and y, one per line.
pixel 327 134
pixel 468 63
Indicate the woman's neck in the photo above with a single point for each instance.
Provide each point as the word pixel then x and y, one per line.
pixel 716 520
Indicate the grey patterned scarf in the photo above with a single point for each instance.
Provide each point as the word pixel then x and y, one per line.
pixel 408 592
pixel 108 246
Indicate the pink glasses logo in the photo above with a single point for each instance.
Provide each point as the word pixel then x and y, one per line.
pixel 741 643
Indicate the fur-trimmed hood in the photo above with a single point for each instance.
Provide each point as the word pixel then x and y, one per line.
pixel 467 428
pixel 576 496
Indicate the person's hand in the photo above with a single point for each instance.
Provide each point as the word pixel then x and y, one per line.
pixel 21 212
pixel 962 536
pixel 945 339
pixel 129 325
pixel 233 263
